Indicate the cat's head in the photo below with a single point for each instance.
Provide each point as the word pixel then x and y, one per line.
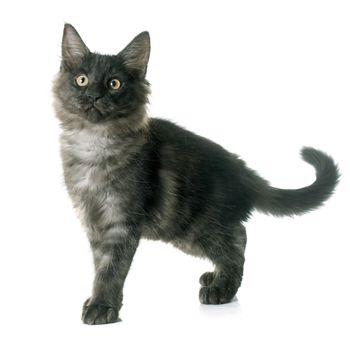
pixel 100 88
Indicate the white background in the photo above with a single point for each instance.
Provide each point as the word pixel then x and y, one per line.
pixel 262 78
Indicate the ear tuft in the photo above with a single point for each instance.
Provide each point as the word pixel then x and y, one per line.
pixel 73 47
pixel 136 54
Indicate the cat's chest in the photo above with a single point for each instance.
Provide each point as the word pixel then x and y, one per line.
pixel 90 147
pixel 94 172
pixel 83 179
pixel 94 166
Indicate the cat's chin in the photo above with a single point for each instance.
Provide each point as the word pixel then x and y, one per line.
pixel 93 115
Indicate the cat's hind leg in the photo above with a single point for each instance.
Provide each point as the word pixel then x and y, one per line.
pixel 226 251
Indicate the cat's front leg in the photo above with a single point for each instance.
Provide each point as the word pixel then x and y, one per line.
pixel 112 262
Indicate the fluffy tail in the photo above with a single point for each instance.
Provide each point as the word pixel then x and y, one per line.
pixel 282 202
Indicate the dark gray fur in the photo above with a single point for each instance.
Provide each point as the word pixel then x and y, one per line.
pixel 131 176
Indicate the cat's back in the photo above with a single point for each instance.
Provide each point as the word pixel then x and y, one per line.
pixel 200 161
pixel 184 141
pixel 182 146
pixel 199 172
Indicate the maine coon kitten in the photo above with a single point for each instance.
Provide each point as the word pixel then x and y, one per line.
pixel 131 176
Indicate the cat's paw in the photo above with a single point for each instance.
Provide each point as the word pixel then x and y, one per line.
pixel 216 295
pixel 98 313
pixel 206 279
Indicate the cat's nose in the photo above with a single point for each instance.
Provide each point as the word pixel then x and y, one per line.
pixel 93 97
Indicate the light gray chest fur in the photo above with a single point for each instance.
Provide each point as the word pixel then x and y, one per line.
pixel 92 167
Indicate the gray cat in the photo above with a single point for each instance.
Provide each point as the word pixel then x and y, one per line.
pixel 131 176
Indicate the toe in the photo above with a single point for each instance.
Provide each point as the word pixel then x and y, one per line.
pixel 206 279
pixel 213 295
pixel 209 295
pixel 99 314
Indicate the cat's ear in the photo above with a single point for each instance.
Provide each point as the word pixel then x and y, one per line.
pixel 73 47
pixel 136 55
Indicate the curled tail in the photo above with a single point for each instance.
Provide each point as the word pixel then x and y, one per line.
pixel 281 202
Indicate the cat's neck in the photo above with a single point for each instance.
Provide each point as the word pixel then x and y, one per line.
pixel 95 142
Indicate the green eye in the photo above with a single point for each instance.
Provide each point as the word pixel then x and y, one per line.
pixel 115 84
pixel 82 80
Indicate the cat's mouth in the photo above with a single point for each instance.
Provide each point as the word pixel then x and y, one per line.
pixel 93 113
pixel 92 108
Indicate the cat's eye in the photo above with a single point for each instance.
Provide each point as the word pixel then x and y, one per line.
pixel 82 80
pixel 115 84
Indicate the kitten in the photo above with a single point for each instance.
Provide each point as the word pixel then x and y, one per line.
pixel 131 176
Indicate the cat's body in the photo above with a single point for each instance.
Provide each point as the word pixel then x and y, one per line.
pixel 159 178
pixel 131 177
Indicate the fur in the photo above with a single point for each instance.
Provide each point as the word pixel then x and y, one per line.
pixel 131 177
